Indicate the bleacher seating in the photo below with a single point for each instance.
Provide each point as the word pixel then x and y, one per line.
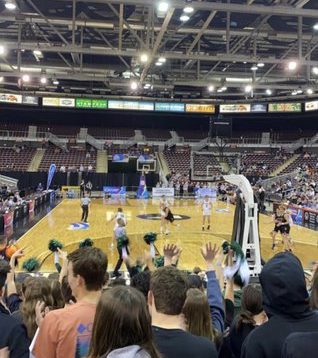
pixel 300 162
pixel 71 159
pixel 178 160
pixel 111 133
pixel 156 134
pixel 194 135
pixel 16 159
pixel 201 163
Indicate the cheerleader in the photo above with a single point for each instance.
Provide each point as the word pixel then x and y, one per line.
pixel 163 205
pixel 206 210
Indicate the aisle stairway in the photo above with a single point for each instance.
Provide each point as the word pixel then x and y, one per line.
pixel 36 160
pixel 102 162
pixel 281 168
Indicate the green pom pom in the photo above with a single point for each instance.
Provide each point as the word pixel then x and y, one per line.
pixel 237 250
pixel 54 245
pixel 150 238
pixel 31 264
pixel 122 241
pixel 159 261
pixel 86 243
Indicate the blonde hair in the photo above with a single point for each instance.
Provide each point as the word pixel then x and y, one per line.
pixel 38 289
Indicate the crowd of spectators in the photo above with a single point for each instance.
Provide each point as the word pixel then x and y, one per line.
pixel 160 312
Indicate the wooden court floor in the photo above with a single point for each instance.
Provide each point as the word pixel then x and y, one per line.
pixel 56 225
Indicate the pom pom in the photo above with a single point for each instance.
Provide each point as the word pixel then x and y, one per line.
pixel 159 261
pixel 54 245
pixel 10 250
pixel 86 243
pixel 31 264
pixel 122 241
pixel 150 238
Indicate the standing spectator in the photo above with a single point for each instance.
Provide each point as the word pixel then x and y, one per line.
pixel 89 187
pixel 166 298
pixel 286 302
pixel 13 335
pixel 67 332
pixel 122 326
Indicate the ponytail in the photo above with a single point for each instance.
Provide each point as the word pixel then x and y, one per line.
pixel 245 317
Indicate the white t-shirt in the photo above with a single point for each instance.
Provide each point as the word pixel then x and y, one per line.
pixel 206 207
pixel 119 215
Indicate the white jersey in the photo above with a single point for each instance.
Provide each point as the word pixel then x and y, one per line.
pixel 163 204
pixel 119 216
pixel 206 207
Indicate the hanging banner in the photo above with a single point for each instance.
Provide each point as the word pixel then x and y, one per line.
pixel 142 192
pixel 169 107
pixel 235 108
pixel 50 175
pixel 200 108
pixel 10 98
pixel 83 103
pixel 284 107
pixel 30 100
pixel 311 106
pixel 259 107
pixel 66 102
pixel 50 101
pixel 99 103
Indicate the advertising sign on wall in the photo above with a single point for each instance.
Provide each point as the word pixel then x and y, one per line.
pixel 200 108
pixel 235 108
pixel 158 192
pixel 311 106
pixel 284 107
pixel 169 107
pixel 10 98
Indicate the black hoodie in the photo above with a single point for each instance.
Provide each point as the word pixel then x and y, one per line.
pixel 285 301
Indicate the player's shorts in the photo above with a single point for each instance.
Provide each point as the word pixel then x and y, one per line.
pixel 170 217
pixel 283 229
pixel 206 213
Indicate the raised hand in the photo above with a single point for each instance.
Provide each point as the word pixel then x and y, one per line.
pixel 169 251
pixel 209 253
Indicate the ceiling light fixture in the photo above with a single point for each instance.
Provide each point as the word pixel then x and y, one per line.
pixel 163 6
pixel 162 59
pixel 158 63
pixel 26 78
pixel 56 82
pixel 224 88
pixel 188 10
pixel 2 50
pixel 310 91
pixel 315 70
pixel 292 65
pixel 260 64
pixel 184 18
pixel 294 93
pixel 254 68
pixel 43 80
pixel 299 91
pixel 268 92
pixel 315 27
pixel 134 85
pixel 144 58
pixel 211 88
pixel 248 88
pixel 37 53
pixel 10 5
pixel 1 79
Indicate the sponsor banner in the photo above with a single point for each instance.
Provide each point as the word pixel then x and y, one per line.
pixel 120 158
pixel 50 175
pixel 259 107
pixel 284 107
pixel 157 192
pixel 30 100
pixel 66 102
pixel 310 218
pixel 131 105
pixel 8 219
pixel 200 108
pixel 169 107
pixel 311 106
pixel 235 108
pixel 210 192
pixel 296 214
pixel 99 103
pixel 50 101
pixel 10 98
pixel 83 103
pixel 114 190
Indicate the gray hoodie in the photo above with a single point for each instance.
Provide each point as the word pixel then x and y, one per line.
pixel 128 352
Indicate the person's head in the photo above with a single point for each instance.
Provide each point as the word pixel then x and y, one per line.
pixel 118 281
pixel 197 314
pixel 86 194
pixel 122 319
pixel 168 290
pixel 58 299
pixel 120 210
pixel 206 197
pixel 67 292
pixel 37 289
pixel 196 270
pixel 251 304
pixel 195 281
pixel 4 270
pixel 86 270
pixel 141 282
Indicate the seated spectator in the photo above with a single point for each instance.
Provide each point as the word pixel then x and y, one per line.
pixel 122 326
pixel 166 298
pixel 286 303
pixel 13 335
pixel 66 332
pixel 252 315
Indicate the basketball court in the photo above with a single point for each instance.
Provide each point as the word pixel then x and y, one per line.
pixel 62 223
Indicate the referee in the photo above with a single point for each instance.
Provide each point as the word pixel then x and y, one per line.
pixel 85 203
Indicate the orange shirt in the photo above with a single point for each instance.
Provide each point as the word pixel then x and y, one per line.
pixel 66 333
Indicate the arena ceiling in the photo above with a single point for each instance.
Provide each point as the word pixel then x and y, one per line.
pixel 95 47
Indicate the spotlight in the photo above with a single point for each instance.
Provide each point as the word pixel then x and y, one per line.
pixel 158 63
pixel 43 80
pixel 188 10
pixel 26 78
pixel 268 92
pixel 163 6
pixel 184 18
pixel 300 91
pixel 294 93
pixel 162 59
pixel 56 82
pixel 211 88
pixel 315 27
pixel 248 88
pixel 134 85
pixel 10 5
pixel 292 65
pixel 254 68
pixel 1 79
pixel 2 50
pixel 310 91
pixel 144 58
pixel 260 64
pixel 315 70
pixel 37 53
pixel 223 88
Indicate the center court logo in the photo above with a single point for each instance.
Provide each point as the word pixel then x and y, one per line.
pixel 78 226
pixel 158 217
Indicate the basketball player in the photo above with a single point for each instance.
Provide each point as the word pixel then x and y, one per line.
pixel 85 203
pixel 282 224
pixel 206 210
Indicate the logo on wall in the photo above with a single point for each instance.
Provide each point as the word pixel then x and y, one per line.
pixel 158 217
pixel 78 226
